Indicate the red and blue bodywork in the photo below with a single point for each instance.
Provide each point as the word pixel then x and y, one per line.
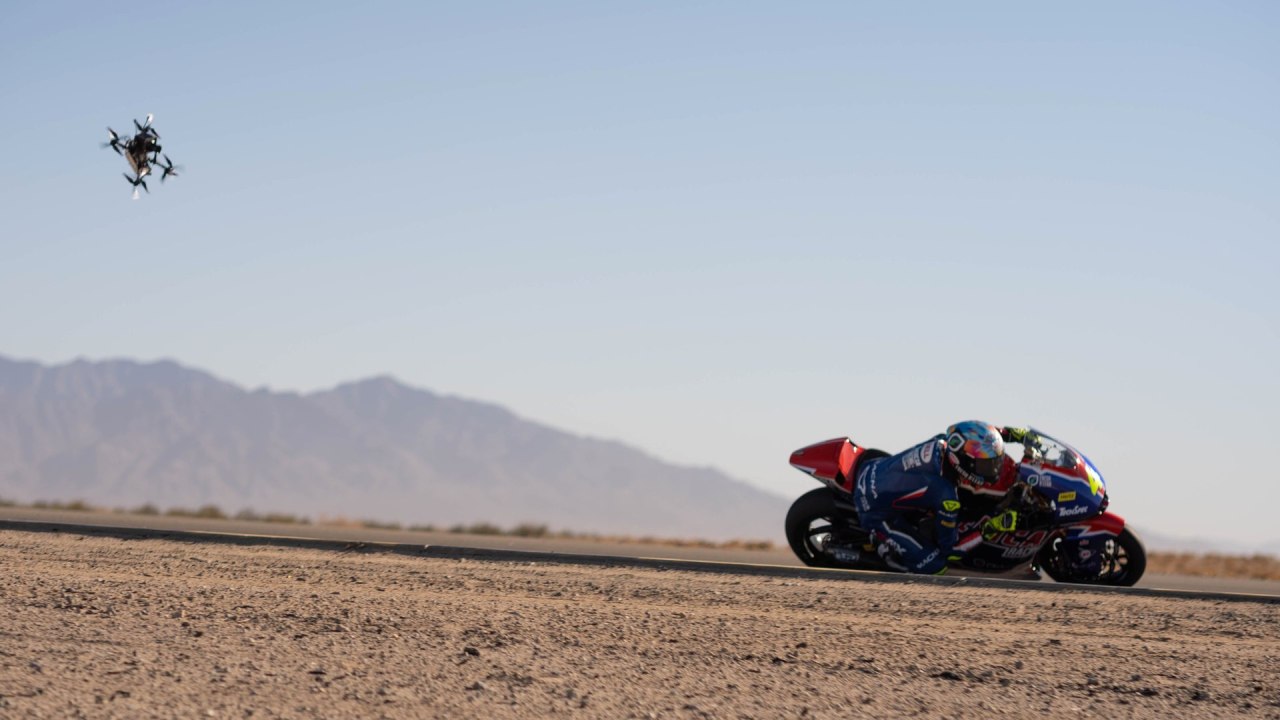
pixel 1064 487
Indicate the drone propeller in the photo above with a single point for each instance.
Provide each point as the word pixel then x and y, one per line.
pixel 169 168
pixel 136 182
pixel 145 129
pixel 114 142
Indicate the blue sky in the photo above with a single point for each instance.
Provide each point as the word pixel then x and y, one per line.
pixel 717 231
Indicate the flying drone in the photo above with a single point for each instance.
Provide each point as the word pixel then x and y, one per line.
pixel 142 151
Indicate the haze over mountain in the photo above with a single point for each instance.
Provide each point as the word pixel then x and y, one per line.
pixel 121 433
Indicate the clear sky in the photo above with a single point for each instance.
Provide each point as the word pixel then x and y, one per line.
pixel 716 231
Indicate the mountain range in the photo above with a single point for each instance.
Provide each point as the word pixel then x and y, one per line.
pixel 120 433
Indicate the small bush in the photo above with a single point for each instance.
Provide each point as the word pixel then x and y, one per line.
pixel 147 509
pixel 529 530
pixel 286 519
pixel 377 525
pixel 72 505
pixel 208 512
pixel 423 528
pixel 477 529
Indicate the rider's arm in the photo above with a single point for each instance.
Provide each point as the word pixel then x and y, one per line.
pixel 1014 434
pixel 946 516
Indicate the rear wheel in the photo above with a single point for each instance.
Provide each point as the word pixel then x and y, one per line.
pixel 819 530
pixel 1124 562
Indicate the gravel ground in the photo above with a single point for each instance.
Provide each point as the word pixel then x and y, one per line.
pixel 104 627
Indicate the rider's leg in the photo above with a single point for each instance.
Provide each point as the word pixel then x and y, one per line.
pixel 902 550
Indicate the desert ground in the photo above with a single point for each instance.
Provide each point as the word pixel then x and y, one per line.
pixel 117 628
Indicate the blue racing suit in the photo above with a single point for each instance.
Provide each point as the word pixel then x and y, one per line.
pixel 892 494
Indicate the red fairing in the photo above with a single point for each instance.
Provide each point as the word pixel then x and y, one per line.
pixel 1109 523
pixel 831 461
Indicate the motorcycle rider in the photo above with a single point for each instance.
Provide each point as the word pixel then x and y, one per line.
pixel 984 498
pixel 892 494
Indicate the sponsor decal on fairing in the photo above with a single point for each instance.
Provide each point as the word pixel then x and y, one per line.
pixel 1018 553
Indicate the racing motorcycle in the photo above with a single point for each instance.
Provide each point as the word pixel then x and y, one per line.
pixel 1058 495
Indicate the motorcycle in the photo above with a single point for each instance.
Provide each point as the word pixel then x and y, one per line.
pixel 1058 494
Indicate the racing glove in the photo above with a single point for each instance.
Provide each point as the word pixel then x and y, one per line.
pixel 1014 434
pixel 1006 521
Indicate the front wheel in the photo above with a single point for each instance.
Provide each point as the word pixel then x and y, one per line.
pixel 822 533
pixel 1124 562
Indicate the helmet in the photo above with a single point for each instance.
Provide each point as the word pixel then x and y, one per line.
pixel 974 453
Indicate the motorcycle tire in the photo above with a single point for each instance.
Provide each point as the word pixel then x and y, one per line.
pixel 818 505
pixel 1125 565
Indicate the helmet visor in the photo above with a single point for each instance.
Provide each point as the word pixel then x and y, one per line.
pixel 986 468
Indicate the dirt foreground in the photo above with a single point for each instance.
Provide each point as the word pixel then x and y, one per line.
pixel 104 627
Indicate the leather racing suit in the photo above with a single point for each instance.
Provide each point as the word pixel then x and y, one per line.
pixel 893 494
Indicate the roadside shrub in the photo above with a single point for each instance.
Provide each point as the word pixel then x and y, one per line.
pixel 286 519
pixel 377 525
pixel 208 512
pixel 72 505
pixel 477 529
pixel 529 530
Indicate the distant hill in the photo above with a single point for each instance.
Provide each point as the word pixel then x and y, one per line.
pixel 121 433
